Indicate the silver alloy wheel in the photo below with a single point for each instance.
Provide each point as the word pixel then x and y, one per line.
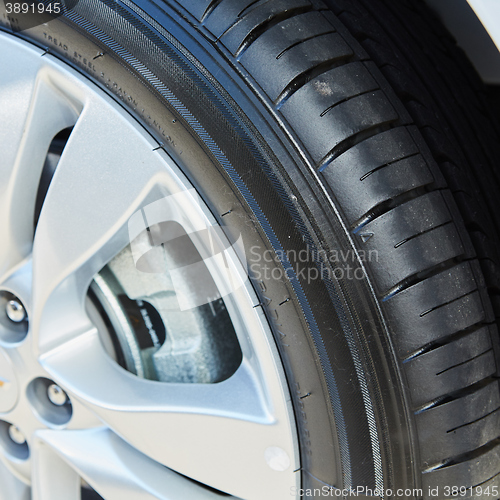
pixel 122 434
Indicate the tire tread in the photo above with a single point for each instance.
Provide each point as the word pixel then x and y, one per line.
pixel 405 189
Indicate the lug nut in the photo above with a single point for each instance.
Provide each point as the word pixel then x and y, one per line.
pixel 16 435
pixel 15 311
pixel 56 395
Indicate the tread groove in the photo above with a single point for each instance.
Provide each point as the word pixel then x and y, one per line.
pixel 317 35
pixel 452 396
pixel 421 276
pixel 449 301
pixel 387 164
pixel 473 421
pixel 387 205
pixel 448 339
pixel 465 457
pixel 211 7
pixel 333 106
pixel 406 240
pixel 465 362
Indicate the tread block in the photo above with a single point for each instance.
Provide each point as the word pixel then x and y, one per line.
pixel 294 62
pixel 331 88
pixel 381 149
pixel 437 290
pixel 450 367
pixel 339 123
pixel 357 197
pixel 466 438
pixel 225 15
pixel 414 256
pixel 273 44
pixel 441 323
pixel 459 426
pixel 409 220
pixel 236 35
pixel 417 329
pixel 465 473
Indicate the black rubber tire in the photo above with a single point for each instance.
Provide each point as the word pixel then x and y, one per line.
pixel 352 125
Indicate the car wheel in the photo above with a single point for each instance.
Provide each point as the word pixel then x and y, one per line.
pixel 249 249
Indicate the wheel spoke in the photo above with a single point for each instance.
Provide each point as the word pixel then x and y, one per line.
pixel 52 477
pixel 105 173
pixel 32 112
pixel 214 433
pixel 116 470
pixel 11 486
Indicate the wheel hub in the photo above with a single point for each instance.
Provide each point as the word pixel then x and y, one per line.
pixel 206 399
